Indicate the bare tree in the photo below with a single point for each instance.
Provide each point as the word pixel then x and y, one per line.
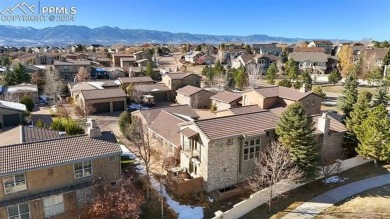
pixel 195 101
pixel 10 97
pixel 220 81
pixel 87 110
pixel 53 84
pixel 272 169
pixel 254 74
pixel 135 92
pixel 122 200
pixel 83 75
pixel 330 161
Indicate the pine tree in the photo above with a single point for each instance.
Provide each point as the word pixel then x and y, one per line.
pixel 291 70
pixel 386 60
pixel 271 73
pixel 305 78
pixel 374 135
pixel 334 77
pixel 318 90
pixel 17 76
pixel 284 83
pixel 381 96
pixel 150 72
pixel 296 132
pixel 350 94
pixel 359 113
pixel 240 77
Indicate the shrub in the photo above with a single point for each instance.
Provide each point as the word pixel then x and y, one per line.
pixel 26 100
pixel 40 123
pixel 213 108
pixel 58 125
pixel 284 83
pixel 78 110
pixel 73 129
pixel 124 121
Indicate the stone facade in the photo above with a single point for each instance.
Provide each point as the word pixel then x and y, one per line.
pixel 200 99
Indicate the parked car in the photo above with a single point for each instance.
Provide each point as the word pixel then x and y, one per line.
pixel 136 106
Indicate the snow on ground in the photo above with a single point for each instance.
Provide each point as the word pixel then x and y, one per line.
pixel 334 179
pixel 184 211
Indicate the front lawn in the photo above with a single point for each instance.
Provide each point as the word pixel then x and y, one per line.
pixel 302 194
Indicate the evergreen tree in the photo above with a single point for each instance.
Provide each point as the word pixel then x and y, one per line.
pixel 305 78
pixel 291 70
pixel 359 113
pixel 26 100
pixel 374 135
pixel 5 60
pixel 381 96
pixel 272 73
pixel 198 48
pixel 334 77
pixel 284 83
pixel 386 60
pixel 150 72
pixel 284 55
pixel 318 90
pixel 350 94
pixel 295 131
pixel 240 77
pixel 17 76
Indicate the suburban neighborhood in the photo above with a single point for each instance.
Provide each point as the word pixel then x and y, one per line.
pixel 196 129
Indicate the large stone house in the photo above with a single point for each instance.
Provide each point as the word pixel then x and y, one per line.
pixel 194 97
pixel 269 48
pixel 46 175
pixel 326 44
pixel 70 68
pixel 175 81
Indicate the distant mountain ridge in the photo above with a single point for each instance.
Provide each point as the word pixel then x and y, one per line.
pixel 68 34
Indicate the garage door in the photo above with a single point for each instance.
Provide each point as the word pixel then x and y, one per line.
pixel 160 96
pixel 118 106
pixel 11 120
pixel 102 107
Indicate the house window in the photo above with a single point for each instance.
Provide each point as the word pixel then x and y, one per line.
pixel 83 169
pixel 67 77
pixel 65 68
pixel 313 103
pixel 230 141
pixel 83 196
pixel 53 205
pixel 112 159
pixel 43 61
pixel 251 149
pixel 21 211
pixel 307 104
pixel 15 183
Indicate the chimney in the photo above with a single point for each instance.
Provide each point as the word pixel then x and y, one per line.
pixel 93 129
pixel 324 123
pixel 304 88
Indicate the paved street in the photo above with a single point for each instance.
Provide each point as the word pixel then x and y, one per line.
pixel 318 204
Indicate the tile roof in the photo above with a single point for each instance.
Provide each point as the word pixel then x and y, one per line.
pixel 103 94
pixel 237 125
pixel 246 109
pixel 179 75
pixel 167 126
pixel 247 58
pixel 21 88
pixel 188 90
pixel 183 110
pixel 12 106
pixel 76 87
pixel 189 132
pixel 43 154
pixel 379 53
pixel 226 97
pixel 323 42
pixel 32 134
pixel 128 59
pixel 309 49
pixel 282 92
pixel 135 79
pixel 312 56
pixel 152 87
pixel 268 56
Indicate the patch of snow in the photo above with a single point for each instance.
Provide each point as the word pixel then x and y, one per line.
pixel 183 211
pixel 211 199
pixel 334 179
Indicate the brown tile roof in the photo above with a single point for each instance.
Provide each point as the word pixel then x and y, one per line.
pixel 226 97
pixel 268 56
pixel 167 126
pixel 312 56
pixel 379 53
pixel 237 125
pixel 188 90
pixel 189 132
pixel 184 110
pixel 31 134
pixel 135 79
pixel 128 59
pixel 103 94
pixel 247 58
pixel 177 76
pixel 246 110
pixel 81 86
pixel 152 87
pixel 323 42
pixel 282 92
pixel 236 50
pixel 335 126
pixel 43 154
pixel 309 49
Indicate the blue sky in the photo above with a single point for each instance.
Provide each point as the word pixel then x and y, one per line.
pixel 331 19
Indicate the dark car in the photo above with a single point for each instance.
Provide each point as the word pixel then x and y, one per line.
pixel 136 106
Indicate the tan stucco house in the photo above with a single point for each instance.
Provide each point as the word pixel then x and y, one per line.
pixel 195 97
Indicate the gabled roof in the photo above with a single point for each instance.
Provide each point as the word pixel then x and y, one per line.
pixel 179 76
pixel 379 53
pixel 189 90
pixel 309 49
pixel 246 109
pixel 135 79
pixel 312 56
pixel 181 110
pixel 103 94
pixel 157 87
pixel 226 97
pixel 247 58
pixel 268 56
pixel 238 125
pixel 328 42
pixel 43 154
pixel 12 106
pixel 167 126
pixel 32 134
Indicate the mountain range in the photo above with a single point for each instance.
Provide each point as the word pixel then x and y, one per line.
pixel 69 34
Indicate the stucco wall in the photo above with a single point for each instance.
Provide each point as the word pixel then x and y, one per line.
pixel 221 105
pixel 252 98
pixel 312 110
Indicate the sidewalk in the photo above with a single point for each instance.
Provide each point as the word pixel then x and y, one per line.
pixel 328 199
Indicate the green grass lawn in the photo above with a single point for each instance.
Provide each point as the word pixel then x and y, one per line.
pixel 282 206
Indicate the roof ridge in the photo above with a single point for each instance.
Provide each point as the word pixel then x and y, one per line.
pixel 46 140
pixel 265 110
